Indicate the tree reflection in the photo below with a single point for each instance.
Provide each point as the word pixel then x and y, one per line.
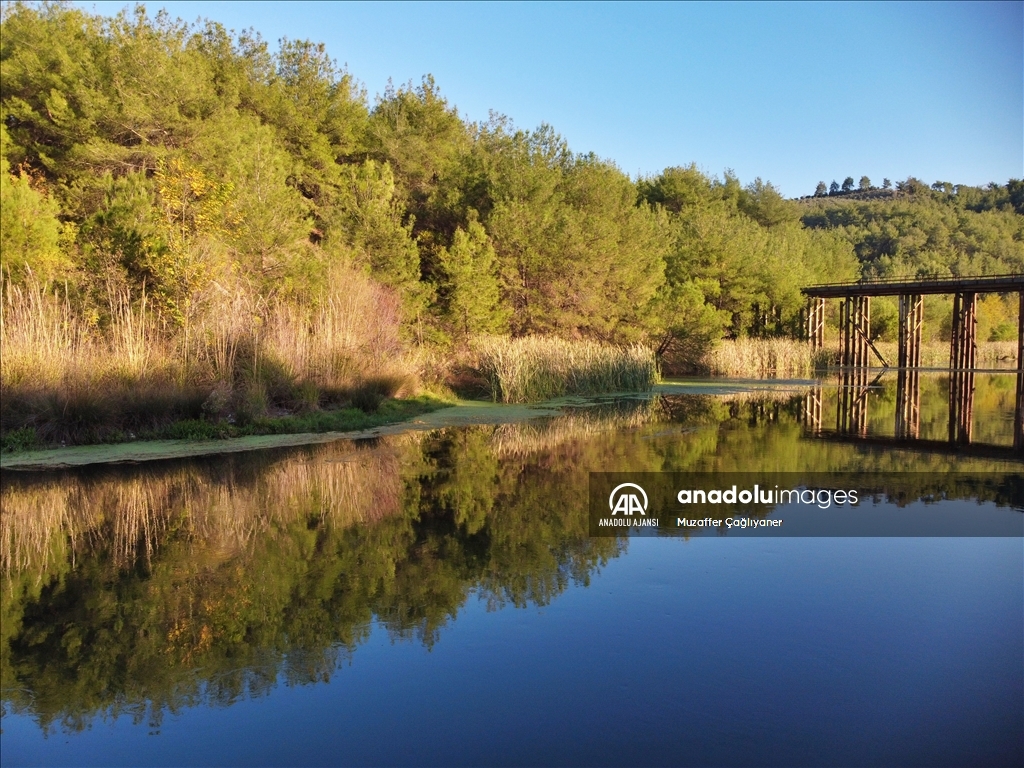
pixel 142 590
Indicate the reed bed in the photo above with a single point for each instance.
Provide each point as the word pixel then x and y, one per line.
pixel 538 368
pixel 935 354
pixel 782 358
pixel 67 377
pixel 765 358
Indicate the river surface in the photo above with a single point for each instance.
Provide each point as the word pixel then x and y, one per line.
pixel 435 598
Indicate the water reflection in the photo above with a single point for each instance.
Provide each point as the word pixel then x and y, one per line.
pixel 143 590
pixel 981 412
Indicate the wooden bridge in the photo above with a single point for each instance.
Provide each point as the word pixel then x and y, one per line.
pixel 855 343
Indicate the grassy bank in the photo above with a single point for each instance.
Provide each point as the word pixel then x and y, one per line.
pixel 73 375
pixel 338 420
pixel 532 369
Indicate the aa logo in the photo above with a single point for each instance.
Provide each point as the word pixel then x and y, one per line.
pixel 624 501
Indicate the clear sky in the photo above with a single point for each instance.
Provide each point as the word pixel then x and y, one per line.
pixel 793 93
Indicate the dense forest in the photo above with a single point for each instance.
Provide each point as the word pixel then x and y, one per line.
pixel 194 178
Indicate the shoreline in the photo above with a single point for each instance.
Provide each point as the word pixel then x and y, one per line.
pixel 458 414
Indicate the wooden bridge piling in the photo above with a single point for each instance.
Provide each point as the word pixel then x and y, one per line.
pixel 1018 414
pixel 962 358
pixel 815 327
pixel 855 330
pixel 911 322
pixel 855 343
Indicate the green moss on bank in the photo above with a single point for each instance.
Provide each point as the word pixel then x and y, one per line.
pixel 340 420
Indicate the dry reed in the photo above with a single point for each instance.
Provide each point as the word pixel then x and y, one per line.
pixel 780 358
pixel 935 354
pixel 66 377
pixel 764 358
pixel 539 368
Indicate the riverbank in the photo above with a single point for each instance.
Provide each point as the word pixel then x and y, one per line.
pixel 390 420
pixel 210 437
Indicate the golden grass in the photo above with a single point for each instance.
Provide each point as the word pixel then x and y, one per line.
pixel 764 358
pixel 539 368
pixel 71 378
pixel 784 358
pixel 935 354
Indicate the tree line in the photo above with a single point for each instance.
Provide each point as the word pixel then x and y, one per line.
pixel 186 162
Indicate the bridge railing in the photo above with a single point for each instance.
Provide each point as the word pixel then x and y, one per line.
pixel 1012 281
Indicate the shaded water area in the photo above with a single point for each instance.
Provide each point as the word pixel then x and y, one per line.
pixel 435 598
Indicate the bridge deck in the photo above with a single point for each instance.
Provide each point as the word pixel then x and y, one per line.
pixel 918 286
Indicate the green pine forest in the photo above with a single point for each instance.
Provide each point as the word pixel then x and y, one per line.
pixel 197 224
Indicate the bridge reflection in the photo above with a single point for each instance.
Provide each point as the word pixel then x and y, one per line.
pixel 851 420
pixel 855 342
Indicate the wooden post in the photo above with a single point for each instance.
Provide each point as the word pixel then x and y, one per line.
pixel 970 331
pixel 844 331
pixel 954 335
pixel 909 341
pixel 821 324
pixel 917 316
pixel 962 359
pixel 1018 411
pixel 855 320
pixel 865 335
pixel 815 325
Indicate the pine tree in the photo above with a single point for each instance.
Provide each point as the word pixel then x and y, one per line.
pixel 470 285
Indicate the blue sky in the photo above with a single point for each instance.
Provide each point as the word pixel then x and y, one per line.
pixel 793 93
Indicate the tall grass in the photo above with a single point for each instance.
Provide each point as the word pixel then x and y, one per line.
pixel 539 368
pixel 65 376
pixel 764 358
pixel 781 358
pixel 935 354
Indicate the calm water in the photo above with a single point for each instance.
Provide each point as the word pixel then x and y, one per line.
pixel 435 599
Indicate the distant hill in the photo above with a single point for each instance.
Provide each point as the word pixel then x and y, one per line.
pixel 916 229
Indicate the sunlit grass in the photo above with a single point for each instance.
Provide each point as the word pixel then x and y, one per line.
pixel 783 358
pixel 536 368
pixel 70 376
pixel 765 358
